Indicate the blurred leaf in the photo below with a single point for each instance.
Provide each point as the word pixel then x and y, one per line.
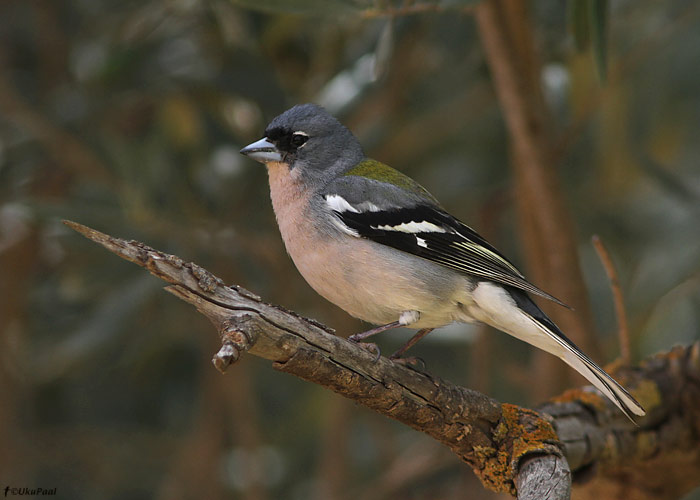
pixel 599 34
pixel 181 121
pixel 384 50
pixel 588 24
pixel 578 21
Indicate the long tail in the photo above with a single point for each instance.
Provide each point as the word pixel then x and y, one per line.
pixel 512 311
pixel 580 362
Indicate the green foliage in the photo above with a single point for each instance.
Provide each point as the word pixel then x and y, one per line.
pixel 588 23
pixel 599 10
pixel 579 22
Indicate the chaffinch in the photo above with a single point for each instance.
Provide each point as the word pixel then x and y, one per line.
pixel 377 244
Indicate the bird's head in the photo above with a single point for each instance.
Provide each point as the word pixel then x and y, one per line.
pixel 307 139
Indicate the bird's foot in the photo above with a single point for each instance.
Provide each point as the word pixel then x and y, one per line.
pixel 356 338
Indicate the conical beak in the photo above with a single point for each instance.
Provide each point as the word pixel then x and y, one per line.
pixel 263 151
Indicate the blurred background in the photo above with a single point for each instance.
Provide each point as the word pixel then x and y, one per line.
pixel 128 116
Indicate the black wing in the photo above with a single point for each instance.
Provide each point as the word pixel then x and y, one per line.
pixel 435 235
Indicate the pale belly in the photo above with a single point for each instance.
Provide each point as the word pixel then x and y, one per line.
pixel 361 278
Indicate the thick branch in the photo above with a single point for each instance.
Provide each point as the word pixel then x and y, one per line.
pixel 504 444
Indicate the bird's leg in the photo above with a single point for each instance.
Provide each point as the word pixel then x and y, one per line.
pixel 363 335
pixel 406 318
pixel 411 342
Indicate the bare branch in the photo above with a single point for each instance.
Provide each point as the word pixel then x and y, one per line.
pixel 508 447
pixel 618 298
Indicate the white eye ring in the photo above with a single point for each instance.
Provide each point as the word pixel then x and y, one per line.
pixel 302 134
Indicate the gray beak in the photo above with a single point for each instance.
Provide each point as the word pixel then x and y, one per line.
pixel 263 151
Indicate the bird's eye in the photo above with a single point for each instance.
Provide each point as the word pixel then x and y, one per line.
pixel 298 139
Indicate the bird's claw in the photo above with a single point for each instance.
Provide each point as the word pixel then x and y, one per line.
pixel 371 347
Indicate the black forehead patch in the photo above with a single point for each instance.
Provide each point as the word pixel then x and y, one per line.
pixel 276 133
pixel 281 137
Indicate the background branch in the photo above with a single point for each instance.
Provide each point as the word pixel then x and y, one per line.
pixel 618 298
pixel 547 230
pixel 508 447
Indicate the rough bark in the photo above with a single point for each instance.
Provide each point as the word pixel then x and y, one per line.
pixel 511 449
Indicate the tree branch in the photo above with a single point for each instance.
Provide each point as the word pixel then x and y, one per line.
pixel 509 448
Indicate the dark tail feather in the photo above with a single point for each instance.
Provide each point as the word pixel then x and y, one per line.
pixel 575 358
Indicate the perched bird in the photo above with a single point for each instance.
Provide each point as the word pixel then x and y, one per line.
pixel 377 244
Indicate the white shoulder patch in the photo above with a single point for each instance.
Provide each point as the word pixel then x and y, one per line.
pixel 413 227
pixel 339 204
